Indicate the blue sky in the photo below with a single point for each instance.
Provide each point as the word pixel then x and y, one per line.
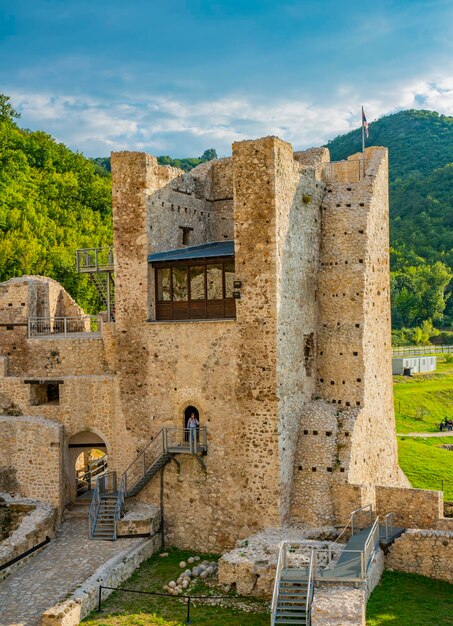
pixel 176 77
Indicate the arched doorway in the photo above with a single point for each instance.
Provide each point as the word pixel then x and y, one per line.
pixel 87 460
pixel 188 412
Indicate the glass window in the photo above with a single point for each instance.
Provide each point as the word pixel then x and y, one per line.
pixel 180 290
pixel 197 282
pixel 163 285
pixel 229 278
pixel 215 282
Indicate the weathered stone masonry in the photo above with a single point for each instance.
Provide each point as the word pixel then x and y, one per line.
pixel 295 391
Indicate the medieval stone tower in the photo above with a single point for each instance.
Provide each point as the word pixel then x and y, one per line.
pixel 253 290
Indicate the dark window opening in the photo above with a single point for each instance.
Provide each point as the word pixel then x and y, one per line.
pixel 186 230
pixel 195 289
pixel 44 393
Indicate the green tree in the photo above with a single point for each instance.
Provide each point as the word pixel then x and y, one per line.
pixel 7 112
pixel 209 155
pixel 419 294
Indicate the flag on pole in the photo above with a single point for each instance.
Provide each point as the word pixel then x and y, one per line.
pixel 364 123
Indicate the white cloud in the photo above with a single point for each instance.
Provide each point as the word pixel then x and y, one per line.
pixel 183 128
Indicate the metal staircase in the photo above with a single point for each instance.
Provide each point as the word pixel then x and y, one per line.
pixel 299 565
pixel 107 504
pixel 293 591
pixel 99 265
pixel 105 286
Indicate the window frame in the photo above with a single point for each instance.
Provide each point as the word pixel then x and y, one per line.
pixel 199 309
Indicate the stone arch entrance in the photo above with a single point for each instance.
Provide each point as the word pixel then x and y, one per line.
pixel 87 459
pixel 188 412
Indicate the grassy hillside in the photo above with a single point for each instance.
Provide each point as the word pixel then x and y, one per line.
pixel 426 464
pixel 423 400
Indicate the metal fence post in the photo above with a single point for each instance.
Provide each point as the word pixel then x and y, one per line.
pixel 188 611
pixel 99 598
pixel 65 326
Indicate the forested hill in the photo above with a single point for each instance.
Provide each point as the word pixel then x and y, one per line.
pixel 420 147
pixel 52 201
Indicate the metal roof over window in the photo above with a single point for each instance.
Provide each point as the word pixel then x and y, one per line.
pixel 203 251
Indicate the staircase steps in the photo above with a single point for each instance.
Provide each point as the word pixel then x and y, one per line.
pixel 100 284
pixel 105 519
pixel 150 472
pixel 292 598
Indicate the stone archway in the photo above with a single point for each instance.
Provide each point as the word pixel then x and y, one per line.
pixel 84 464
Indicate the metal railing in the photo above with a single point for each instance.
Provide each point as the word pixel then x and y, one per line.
pixel 366 512
pixel 167 440
pixel 107 484
pixel 193 438
pixel 94 509
pixel 119 508
pixel 310 586
pixel 401 351
pixel 145 460
pixel 95 259
pixel 64 326
pixel 388 522
pixel 347 171
pixel 94 469
pixel 281 564
pixel 370 546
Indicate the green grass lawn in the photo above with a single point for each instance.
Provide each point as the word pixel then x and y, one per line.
pixel 410 600
pixel 425 464
pixel 422 401
pixel 127 609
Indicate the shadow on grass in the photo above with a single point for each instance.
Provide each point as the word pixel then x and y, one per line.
pixel 410 600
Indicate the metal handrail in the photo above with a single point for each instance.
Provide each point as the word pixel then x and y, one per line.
pixel 119 507
pixel 183 437
pixel 94 509
pixel 310 585
pixel 63 325
pixel 95 259
pixel 370 545
pixel 388 521
pixel 96 467
pixel 140 465
pixel 360 510
pixel 281 564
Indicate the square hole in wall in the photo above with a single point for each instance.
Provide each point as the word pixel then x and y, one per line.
pixel 44 393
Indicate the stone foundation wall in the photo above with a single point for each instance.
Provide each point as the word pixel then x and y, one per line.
pixel 38 523
pixel 338 605
pixel 424 552
pixel 33 447
pixel 413 508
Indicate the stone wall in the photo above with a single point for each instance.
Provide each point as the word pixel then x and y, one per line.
pixel 412 508
pixel 36 526
pixel 424 552
pixel 111 574
pixel 338 605
pixel 34 448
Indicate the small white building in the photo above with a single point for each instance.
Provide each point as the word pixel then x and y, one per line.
pixel 416 364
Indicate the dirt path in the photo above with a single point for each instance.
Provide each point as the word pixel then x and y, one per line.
pixel 445 433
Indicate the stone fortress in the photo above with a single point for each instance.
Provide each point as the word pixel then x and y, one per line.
pixel 253 290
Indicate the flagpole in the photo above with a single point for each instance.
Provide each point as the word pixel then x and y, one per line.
pixel 363 142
